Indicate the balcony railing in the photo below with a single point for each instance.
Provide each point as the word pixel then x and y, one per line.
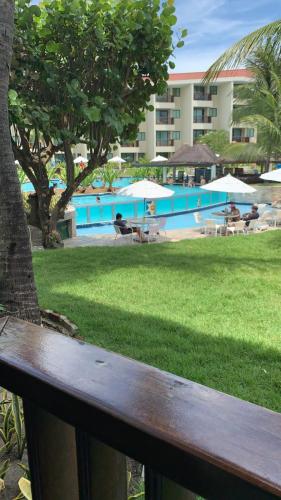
pixel 165 98
pixel 165 120
pixel 133 144
pixel 202 97
pixel 202 119
pixel 168 142
pixel 86 409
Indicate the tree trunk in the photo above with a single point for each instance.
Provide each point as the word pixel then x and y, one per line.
pixel 17 287
pixel 69 163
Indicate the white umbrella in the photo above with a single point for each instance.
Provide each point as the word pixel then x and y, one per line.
pixel 228 184
pixel 146 190
pixel 116 159
pixel 159 158
pixel 80 159
pixel 275 175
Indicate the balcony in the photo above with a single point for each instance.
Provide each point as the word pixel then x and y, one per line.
pixel 202 97
pixel 202 119
pixel 168 142
pixel 86 409
pixel 127 144
pixel 165 98
pixel 165 120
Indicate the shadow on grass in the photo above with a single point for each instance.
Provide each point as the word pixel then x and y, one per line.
pixel 205 257
pixel 238 367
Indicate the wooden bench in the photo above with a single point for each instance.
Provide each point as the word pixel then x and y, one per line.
pixel 86 408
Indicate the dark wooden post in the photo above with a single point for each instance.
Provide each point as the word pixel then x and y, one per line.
pixel 102 470
pixel 51 454
pixel 158 487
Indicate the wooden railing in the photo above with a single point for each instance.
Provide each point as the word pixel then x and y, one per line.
pixel 87 408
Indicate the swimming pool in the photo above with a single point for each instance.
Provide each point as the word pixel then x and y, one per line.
pixel 89 211
pixel 182 221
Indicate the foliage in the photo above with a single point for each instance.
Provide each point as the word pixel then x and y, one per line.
pixel 21 175
pixel 241 50
pixel 108 174
pixel 88 181
pixel 83 72
pixel 26 205
pixel 259 103
pixel 222 338
pixel 12 425
pixel 217 140
pixel 25 489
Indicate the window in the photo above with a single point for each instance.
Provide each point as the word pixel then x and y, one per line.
pixel 141 155
pixel 199 92
pixel 141 136
pixel 236 133
pixel 176 135
pixel 130 157
pixel 213 112
pixel 250 132
pixel 60 158
pixel 197 133
pixel 176 92
pixel 176 113
pixel 213 90
pixel 162 138
pixel 162 116
pixel 198 115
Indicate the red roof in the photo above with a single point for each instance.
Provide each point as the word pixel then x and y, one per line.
pixel 199 75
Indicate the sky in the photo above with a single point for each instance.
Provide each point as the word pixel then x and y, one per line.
pixel 215 25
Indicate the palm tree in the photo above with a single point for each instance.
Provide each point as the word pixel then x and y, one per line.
pixel 17 288
pixel 259 103
pixel 241 50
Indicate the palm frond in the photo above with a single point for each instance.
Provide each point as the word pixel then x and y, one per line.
pixel 238 53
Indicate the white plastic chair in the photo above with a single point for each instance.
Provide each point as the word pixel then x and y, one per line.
pixel 153 234
pixel 211 227
pixel 253 226
pixel 238 227
pixel 162 225
pixel 119 233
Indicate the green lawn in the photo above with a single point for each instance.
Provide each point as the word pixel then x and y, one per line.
pixel 208 310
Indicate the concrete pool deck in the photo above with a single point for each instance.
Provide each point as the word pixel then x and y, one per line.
pixel 109 240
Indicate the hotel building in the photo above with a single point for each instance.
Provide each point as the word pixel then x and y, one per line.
pixel 187 111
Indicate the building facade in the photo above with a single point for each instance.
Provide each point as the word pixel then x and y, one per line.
pixel 188 110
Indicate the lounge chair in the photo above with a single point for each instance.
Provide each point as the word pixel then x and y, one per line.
pixel 253 226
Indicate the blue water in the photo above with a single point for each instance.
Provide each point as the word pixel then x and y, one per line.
pixel 183 221
pixel 90 211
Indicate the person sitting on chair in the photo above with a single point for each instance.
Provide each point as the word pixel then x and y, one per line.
pixel 254 214
pixel 124 229
pixel 234 214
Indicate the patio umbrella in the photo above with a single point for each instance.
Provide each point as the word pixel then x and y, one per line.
pixel 146 190
pixel 159 158
pixel 80 159
pixel 116 159
pixel 228 184
pixel 275 175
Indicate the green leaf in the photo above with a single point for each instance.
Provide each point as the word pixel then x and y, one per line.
pixel 184 33
pixel 172 65
pixel 92 114
pixel 35 10
pixel 180 44
pixel 25 488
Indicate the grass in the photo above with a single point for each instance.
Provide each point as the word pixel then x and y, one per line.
pixel 208 310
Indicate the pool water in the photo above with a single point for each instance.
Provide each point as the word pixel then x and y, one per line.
pixel 90 211
pixel 182 221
